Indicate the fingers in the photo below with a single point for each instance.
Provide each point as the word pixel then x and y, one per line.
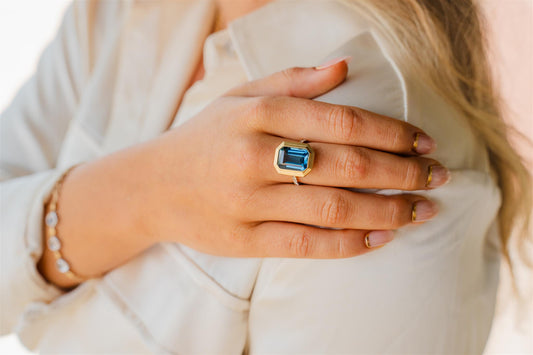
pixel 281 239
pixel 350 166
pixel 297 82
pixel 298 119
pixel 357 167
pixel 274 111
pixel 337 208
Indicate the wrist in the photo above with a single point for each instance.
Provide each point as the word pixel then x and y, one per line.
pixel 101 208
pixel 159 197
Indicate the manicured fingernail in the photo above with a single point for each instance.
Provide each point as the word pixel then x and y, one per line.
pixel 437 176
pixel 334 61
pixel 423 210
pixel 423 144
pixel 376 239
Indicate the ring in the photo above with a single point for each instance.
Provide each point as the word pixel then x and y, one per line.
pixel 294 159
pixel 295 181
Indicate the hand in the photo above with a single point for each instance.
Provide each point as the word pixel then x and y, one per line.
pixel 218 192
pixel 211 184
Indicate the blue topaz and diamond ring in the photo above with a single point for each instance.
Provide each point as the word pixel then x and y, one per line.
pixel 294 159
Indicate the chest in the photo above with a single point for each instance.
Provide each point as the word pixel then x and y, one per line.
pixel 134 98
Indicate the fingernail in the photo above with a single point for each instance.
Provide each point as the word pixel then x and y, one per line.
pixel 423 144
pixel 376 239
pixel 437 176
pixel 334 61
pixel 423 210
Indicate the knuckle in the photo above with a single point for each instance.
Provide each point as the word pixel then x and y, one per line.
pixel 398 210
pixel 342 122
pixel 395 138
pixel 400 138
pixel 229 105
pixel 290 74
pixel 240 201
pixel 234 204
pixel 258 108
pixel 358 164
pixel 249 151
pixel 334 210
pixel 348 245
pixel 300 244
pixel 412 175
pixel 343 246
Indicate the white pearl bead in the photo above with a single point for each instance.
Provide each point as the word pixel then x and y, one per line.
pixel 51 219
pixel 54 244
pixel 62 265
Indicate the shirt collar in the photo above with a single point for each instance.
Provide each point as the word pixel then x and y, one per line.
pixel 287 33
pixel 305 33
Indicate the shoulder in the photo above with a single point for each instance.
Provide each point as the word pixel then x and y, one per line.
pixel 95 23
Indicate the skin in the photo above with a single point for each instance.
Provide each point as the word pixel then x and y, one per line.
pixel 154 192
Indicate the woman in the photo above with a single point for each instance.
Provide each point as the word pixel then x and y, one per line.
pixel 137 249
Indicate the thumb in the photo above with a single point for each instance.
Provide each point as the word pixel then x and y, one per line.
pixel 297 82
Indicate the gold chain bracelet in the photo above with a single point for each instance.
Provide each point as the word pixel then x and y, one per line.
pixel 53 242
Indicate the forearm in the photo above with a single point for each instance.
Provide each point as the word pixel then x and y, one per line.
pixel 100 210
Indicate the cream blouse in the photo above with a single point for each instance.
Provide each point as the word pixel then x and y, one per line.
pixel 115 75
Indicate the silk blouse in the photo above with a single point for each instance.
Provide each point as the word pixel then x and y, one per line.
pixel 115 75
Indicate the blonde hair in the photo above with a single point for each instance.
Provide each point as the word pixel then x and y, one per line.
pixel 443 43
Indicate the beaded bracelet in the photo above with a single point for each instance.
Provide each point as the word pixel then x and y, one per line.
pixel 52 240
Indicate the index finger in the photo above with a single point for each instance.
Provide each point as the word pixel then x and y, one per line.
pixel 303 119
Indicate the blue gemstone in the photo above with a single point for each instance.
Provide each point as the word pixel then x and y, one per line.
pixel 291 158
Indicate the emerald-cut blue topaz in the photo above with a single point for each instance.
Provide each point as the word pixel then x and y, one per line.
pixel 294 159
pixel 291 158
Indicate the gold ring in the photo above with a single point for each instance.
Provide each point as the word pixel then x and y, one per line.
pixel 294 159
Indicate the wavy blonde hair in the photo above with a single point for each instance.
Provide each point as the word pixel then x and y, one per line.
pixel 443 43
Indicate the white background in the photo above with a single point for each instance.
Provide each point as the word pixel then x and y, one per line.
pixel 27 25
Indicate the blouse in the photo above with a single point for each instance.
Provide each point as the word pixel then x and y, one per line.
pixel 115 75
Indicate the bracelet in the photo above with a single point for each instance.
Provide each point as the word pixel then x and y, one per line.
pixel 52 240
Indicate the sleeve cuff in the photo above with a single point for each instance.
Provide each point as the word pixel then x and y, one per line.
pixel 22 207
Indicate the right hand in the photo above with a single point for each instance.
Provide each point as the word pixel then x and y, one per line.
pixel 211 184
pixel 215 189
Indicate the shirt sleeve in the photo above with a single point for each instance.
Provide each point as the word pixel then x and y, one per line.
pixel 32 130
